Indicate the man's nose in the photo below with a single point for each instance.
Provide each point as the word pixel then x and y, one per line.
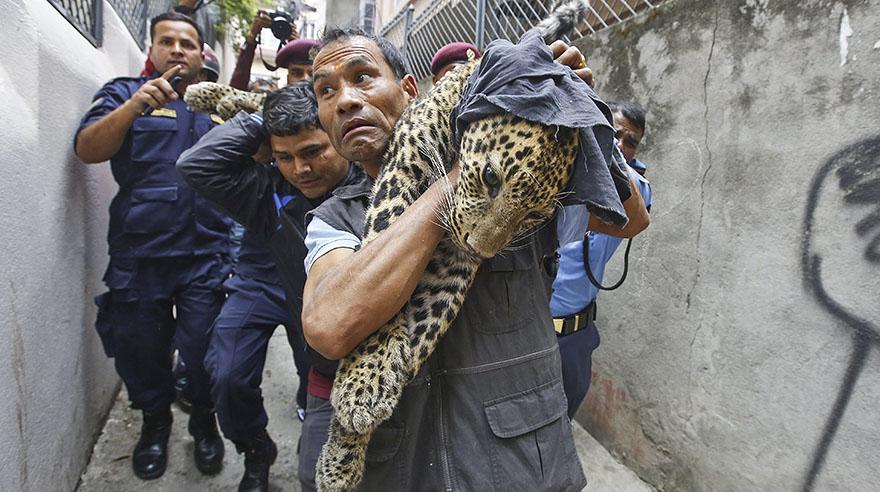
pixel 176 47
pixel 350 99
pixel 301 166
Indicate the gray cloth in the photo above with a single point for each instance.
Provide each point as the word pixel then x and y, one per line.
pixel 523 79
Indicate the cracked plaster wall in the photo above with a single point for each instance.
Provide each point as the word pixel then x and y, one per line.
pixel 56 385
pixel 719 369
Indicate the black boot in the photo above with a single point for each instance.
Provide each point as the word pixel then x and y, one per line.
pixel 208 447
pixel 259 454
pixel 150 454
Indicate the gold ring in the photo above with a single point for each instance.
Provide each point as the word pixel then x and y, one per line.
pixel 583 63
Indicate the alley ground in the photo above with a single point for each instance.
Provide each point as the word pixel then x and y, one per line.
pixel 110 466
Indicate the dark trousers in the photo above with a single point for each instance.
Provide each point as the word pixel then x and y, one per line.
pixel 237 353
pixel 315 431
pixel 576 353
pixel 137 325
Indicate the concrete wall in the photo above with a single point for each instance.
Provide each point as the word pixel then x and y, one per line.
pixel 342 13
pixel 56 385
pixel 740 354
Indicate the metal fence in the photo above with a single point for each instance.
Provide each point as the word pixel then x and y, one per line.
pixel 84 15
pixel 481 21
pixel 136 15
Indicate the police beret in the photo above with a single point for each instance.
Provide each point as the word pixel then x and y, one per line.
pixel 451 53
pixel 296 51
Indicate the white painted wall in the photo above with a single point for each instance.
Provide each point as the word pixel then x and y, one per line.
pixel 55 382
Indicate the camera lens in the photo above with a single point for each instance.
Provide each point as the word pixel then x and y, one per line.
pixel 281 26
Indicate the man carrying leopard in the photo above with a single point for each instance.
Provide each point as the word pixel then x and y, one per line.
pixel 493 382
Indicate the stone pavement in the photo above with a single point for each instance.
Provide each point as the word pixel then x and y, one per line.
pixel 110 466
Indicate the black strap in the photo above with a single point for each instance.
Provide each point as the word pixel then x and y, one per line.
pixel 590 271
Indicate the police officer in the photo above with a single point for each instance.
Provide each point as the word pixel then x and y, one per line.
pixel 271 202
pixel 168 246
pixel 573 303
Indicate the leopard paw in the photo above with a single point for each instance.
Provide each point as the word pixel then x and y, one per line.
pixel 371 379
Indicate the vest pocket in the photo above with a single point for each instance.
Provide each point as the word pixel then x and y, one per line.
pixel 505 301
pixel 152 210
pixel 532 447
pixel 380 464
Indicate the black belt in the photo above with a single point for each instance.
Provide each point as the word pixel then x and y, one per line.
pixel 575 322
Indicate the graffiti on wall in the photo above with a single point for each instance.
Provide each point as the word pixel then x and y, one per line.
pixel 846 189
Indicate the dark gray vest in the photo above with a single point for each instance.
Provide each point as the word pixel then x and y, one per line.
pixel 487 412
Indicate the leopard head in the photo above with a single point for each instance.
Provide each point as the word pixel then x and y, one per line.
pixel 512 172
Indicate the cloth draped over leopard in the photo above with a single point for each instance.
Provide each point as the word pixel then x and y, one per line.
pixel 523 79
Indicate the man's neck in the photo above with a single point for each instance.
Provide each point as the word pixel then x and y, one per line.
pixel 371 168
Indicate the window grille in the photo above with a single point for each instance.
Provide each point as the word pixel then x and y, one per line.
pixel 84 15
pixel 480 21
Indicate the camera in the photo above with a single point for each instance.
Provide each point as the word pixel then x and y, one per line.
pixel 281 24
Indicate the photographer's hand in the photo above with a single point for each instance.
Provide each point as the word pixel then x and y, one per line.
pixel 261 21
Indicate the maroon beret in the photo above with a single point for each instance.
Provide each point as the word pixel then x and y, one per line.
pixel 452 53
pixel 296 51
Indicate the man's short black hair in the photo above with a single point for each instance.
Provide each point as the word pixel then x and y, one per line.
pixel 392 55
pixel 291 109
pixel 175 16
pixel 630 111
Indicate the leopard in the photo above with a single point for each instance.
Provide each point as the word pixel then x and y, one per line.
pixel 512 175
pixel 224 100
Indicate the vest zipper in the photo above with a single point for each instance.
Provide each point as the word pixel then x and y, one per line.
pixel 444 456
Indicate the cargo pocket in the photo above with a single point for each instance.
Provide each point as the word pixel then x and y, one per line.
pixel 104 323
pixel 152 210
pixel 384 445
pixel 532 448
pixel 506 304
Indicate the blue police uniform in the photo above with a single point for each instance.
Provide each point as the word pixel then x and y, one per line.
pixel 255 306
pixel 168 249
pixel 574 296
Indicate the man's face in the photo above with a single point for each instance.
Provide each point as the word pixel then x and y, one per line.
pixel 298 71
pixel 359 97
pixel 628 136
pixel 177 43
pixel 308 161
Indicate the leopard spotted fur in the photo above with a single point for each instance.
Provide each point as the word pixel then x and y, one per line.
pixel 530 161
pixel 226 101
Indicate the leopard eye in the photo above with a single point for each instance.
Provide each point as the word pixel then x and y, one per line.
pixel 490 179
pixel 535 215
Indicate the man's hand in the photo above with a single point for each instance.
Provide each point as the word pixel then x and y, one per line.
pixel 261 21
pixel 155 93
pixel 571 57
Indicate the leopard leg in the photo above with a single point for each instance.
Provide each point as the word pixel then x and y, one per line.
pixel 375 375
pixel 340 466
pixel 379 365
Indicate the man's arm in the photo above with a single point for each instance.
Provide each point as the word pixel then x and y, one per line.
pixel 220 167
pixel 102 139
pixel 350 294
pixel 241 75
pixel 639 219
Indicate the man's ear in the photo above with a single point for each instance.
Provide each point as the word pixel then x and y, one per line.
pixel 409 85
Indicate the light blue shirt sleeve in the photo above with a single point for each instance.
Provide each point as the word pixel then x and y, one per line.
pixel 321 238
pixel 572 289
